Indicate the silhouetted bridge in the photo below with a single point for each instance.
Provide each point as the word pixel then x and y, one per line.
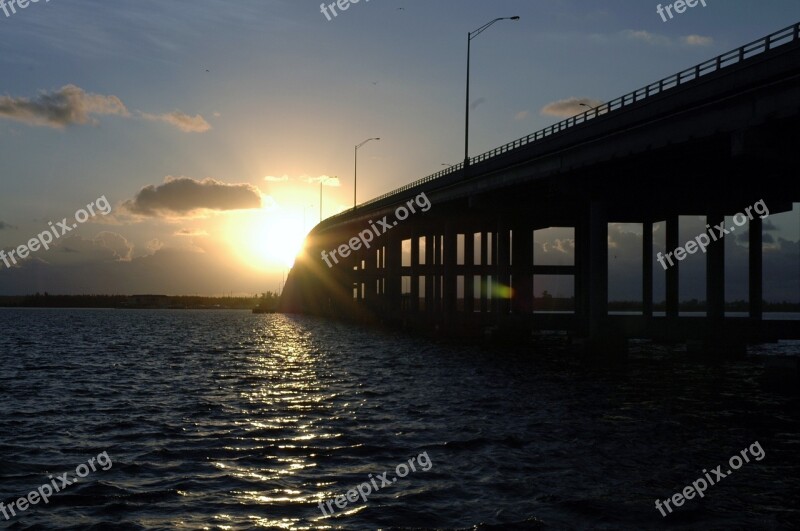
pixel 710 141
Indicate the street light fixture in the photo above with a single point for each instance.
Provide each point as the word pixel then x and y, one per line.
pixel 471 35
pixel 355 170
pixel 587 105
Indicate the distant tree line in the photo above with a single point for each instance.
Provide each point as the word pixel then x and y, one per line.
pixel 45 300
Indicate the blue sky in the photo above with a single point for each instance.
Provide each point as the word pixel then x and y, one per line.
pixel 260 98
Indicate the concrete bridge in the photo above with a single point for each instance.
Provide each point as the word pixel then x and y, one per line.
pixel 711 141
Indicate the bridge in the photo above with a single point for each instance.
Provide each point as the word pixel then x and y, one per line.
pixel 709 141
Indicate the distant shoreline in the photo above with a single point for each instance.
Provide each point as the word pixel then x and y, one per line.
pixel 268 301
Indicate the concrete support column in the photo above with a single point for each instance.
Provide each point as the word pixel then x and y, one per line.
pixel 647 269
pixel 756 270
pixel 673 271
pixel 503 281
pixel 469 272
pixel 368 275
pixel 430 269
pixel 450 268
pixel 598 268
pixel 416 271
pixel 522 269
pixel 486 254
pixel 394 281
pixel 715 272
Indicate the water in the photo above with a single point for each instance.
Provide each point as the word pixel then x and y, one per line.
pixel 228 420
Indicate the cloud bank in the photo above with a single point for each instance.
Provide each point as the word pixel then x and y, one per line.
pixel 70 105
pixel 183 196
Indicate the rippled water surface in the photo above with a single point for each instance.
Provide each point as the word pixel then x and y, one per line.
pixel 228 420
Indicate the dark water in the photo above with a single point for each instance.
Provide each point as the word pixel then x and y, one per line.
pixel 228 420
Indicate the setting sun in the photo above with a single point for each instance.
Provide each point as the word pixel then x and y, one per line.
pixel 267 239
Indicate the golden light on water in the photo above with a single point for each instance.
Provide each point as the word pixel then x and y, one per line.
pixel 283 377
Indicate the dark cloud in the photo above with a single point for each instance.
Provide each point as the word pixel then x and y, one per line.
pixel 568 107
pixel 744 237
pixel 70 105
pixel 477 103
pixel 183 196
pixel 6 226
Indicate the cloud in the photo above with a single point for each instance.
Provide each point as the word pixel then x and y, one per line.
pixel 568 107
pixel 326 180
pixel 155 245
pixel 116 243
pixel 191 232
pixel 6 226
pixel 273 179
pixel 184 122
pixel 477 103
pixel 183 196
pixel 70 105
pixel 646 36
pixel 697 40
pixel 521 115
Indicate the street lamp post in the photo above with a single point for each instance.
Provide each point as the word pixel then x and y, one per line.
pixel 471 35
pixel 355 170
pixel 320 195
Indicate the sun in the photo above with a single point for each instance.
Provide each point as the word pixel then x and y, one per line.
pixel 267 240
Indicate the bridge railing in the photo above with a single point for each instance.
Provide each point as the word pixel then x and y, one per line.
pixel 779 38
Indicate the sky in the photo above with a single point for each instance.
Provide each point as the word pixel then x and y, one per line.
pixel 210 127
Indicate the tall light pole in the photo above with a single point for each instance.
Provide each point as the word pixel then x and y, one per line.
pixel 471 35
pixel 320 195
pixel 355 170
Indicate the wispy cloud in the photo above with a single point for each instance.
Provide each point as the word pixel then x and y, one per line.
pixel 184 122
pixel 182 196
pixel 569 107
pixel 655 39
pixel 191 232
pixel 70 105
pixel 274 179
pixel 325 180
pixel 697 40
pixel 521 115
pixel 646 36
pixel 477 103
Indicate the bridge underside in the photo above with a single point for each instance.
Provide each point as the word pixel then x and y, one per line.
pixel 467 265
